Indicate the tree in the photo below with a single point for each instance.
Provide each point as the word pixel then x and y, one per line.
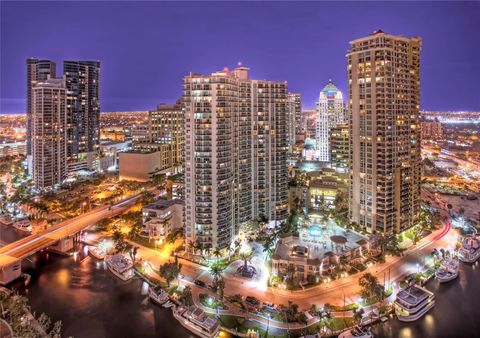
pixel 220 285
pixel 119 240
pixel 371 291
pixel 290 271
pixel 216 272
pixel 133 252
pixel 135 230
pixel 245 256
pixel 187 298
pixel 449 206
pixel 217 253
pixel 170 271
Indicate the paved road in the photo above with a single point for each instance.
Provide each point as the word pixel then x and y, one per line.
pixel 336 292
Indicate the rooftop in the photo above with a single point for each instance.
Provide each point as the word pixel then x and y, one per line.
pixel 163 204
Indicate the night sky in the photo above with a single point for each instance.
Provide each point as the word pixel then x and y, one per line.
pixel 147 47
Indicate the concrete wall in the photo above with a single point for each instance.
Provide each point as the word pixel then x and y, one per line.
pixel 138 166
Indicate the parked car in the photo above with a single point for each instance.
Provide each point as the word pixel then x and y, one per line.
pixel 252 301
pixel 199 283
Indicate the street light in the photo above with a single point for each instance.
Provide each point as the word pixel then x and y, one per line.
pixel 268 324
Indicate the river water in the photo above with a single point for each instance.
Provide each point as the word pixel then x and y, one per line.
pixel 456 313
pixel 92 303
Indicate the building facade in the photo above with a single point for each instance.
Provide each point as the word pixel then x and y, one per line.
pixel 49 133
pixel 331 112
pixel 164 133
pixel 236 144
pixel 37 71
pixel 384 99
pixel 83 110
pixel 431 130
pixel 162 218
pixel 294 101
pixel 339 148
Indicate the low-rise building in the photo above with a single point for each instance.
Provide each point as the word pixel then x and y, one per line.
pixel 13 149
pixel 323 187
pixel 162 218
pixel 139 166
pixel 317 248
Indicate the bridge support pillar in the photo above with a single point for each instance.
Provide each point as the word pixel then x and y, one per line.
pixel 64 245
pixel 10 272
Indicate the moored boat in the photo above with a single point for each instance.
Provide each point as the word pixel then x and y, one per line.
pixel 158 296
pixel 96 252
pixel 470 250
pixel 413 302
pixel 356 332
pixel 23 225
pixel 197 321
pixel 120 266
pixel 448 270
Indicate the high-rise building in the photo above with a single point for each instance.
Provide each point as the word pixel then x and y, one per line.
pixel 431 130
pixel 83 108
pixel 49 132
pixel 339 148
pixel 294 107
pixel 236 144
pixel 37 71
pixel 330 112
pixel 166 125
pixel 162 134
pixel 384 99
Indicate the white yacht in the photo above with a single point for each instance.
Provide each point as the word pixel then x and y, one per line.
pixel 97 252
pixel 120 266
pixel 158 296
pixel 197 321
pixel 23 225
pixel 356 332
pixel 448 270
pixel 470 250
pixel 413 302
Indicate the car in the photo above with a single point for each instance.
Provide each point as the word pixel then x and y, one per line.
pixel 199 283
pixel 252 301
pixel 212 287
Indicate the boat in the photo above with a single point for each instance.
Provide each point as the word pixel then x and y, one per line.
pixel 196 320
pixel 96 252
pixel 413 302
pixel 167 304
pixel 158 296
pixel 6 220
pixel 448 270
pixel 120 266
pixel 470 250
pixel 356 332
pixel 23 225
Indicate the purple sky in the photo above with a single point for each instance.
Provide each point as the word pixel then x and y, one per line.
pixel 146 48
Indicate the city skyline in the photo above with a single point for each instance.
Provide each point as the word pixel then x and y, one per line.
pixel 154 76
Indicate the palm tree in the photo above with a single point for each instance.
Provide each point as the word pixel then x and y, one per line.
pixel 196 246
pixel 245 256
pixel 217 253
pixel 220 284
pixel 216 272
